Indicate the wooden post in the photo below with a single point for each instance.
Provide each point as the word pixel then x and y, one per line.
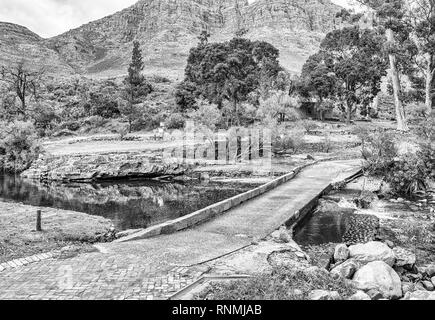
pixel 38 221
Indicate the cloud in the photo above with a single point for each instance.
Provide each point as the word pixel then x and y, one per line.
pixel 52 17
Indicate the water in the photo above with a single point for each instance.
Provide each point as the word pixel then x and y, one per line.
pixel 129 204
pixel 322 227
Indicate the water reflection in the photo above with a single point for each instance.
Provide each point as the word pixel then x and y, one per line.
pixel 134 204
pixel 323 227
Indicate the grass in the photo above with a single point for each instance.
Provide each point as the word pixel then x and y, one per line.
pixel 61 228
pixel 282 284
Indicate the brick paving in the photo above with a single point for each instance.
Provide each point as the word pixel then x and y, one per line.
pixel 94 276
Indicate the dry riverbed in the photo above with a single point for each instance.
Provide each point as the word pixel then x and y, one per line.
pixel 61 228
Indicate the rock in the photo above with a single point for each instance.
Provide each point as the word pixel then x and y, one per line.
pixel 407 287
pixel 366 199
pixel 276 235
pixel 324 295
pixel 389 243
pixel 419 287
pixel 284 235
pixel 346 270
pixel 341 253
pixel 372 251
pixel 310 157
pixel 296 293
pixel 420 295
pixel 287 259
pixel 95 167
pixel 428 285
pixel 360 295
pixel 379 276
pixel 429 270
pixel 415 276
pixel 404 258
pixel 375 294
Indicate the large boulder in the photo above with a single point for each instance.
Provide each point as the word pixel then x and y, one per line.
pixel 346 269
pixel 324 295
pixel 420 295
pixel 404 258
pixel 377 276
pixel 372 251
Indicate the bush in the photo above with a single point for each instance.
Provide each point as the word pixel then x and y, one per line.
pixel 207 114
pixel 44 116
pixel 408 174
pixel 175 121
pixel 288 140
pixel 378 149
pixel 18 146
pixel 310 125
pixel 412 173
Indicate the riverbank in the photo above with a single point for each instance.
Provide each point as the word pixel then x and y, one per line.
pixel 362 243
pixel 61 228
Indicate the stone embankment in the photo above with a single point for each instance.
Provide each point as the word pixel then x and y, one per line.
pixel 97 167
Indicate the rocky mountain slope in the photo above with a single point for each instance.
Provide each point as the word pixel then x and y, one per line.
pixel 167 29
pixel 18 43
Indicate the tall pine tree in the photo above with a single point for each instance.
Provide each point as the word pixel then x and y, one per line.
pixel 136 86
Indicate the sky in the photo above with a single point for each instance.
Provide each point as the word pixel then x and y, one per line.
pixel 48 18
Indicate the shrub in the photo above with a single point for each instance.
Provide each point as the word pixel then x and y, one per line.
pixel 280 285
pixel 44 116
pixel 175 121
pixel 160 79
pixel 288 140
pixel 426 129
pixel 326 144
pixel 310 125
pixel 412 173
pixel 378 149
pixel 18 146
pixel 207 114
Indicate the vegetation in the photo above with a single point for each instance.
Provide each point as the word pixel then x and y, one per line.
pixel 136 87
pixel 409 174
pixel 18 146
pixel 228 74
pixel 348 68
pixel 283 284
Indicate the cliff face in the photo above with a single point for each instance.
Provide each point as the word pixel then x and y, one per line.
pixel 18 43
pixel 167 29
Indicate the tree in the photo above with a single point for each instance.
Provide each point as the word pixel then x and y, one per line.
pixel 230 71
pixel 317 80
pixel 422 14
pixel 391 14
pixel 24 82
pixel 349 66
pixel 136 87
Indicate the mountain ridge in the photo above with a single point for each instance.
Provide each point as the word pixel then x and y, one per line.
pixel 167 29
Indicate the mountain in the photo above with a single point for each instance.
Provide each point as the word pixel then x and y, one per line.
pixel 18 43
pixel 167 29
